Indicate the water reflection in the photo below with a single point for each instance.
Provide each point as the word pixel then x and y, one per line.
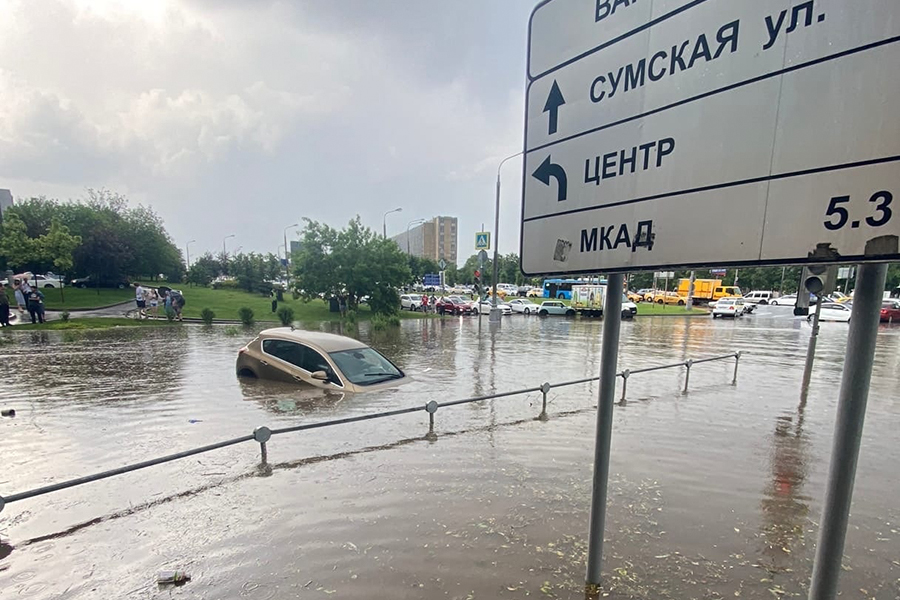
pixel 288 399
pixel 784 507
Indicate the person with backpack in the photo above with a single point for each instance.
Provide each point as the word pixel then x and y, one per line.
pixel 35 305
pixel 177 303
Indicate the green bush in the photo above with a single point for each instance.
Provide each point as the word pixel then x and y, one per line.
pixel 382 322
pixel 351 317
pixel 246 315
pixel 64 316
pixel 286 315
pixel 384 300
pixel 229 284
pixel 232 331
pixel 207 315
pixel 170 314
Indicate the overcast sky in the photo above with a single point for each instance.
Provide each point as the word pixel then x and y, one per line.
pixel 243 116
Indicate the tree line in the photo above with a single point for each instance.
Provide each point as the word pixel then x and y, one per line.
pixel 100 237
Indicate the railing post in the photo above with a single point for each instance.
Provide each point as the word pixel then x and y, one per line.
pixel 737 358
pixel 431 408
pixel 262 435
pixel 625 375
pixel 545 388
pixel 687 375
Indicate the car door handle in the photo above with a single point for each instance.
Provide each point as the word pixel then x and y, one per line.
pixel 300 379
pixel 264 363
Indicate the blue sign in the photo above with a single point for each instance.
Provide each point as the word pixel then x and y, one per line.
pixel 432 279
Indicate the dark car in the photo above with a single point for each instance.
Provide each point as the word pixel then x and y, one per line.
pixel 454 306
pixel 890 311
pixel 104 282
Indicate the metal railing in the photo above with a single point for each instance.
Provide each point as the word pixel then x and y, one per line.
pixel 263 434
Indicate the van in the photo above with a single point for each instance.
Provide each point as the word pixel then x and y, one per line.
pixel 760 297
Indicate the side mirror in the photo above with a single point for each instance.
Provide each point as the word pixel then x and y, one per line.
pixel 320 375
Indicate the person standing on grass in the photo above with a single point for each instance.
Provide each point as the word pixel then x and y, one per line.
pixel 36 305
pixel 4 307
pixel 20 296
pixel 153 298
pixel 140 300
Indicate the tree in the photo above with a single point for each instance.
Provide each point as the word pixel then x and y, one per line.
pixel 16 246
pixel 57 247
pixel 204 270
pixel 353 262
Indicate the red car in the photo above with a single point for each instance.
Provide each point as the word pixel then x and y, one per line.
pixel 454 306
pixel 890 311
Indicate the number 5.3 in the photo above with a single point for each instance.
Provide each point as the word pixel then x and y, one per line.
pixel 840 216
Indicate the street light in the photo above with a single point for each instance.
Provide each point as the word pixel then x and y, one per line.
pixel 384 221
pixel 286 274
pixel 187 251
pixel 224 251
pixel 408 225
pixel 495 312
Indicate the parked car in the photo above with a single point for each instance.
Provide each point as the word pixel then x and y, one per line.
pixel 890 311
pixel 523 306
pixel 669 298
pixel 760 297
pixel 791 300
pixel 485 307
pixel 634 296
pixel 555 307
pixel 102 282
pixel 410 302
pixel 832 311
pixel 454 305
pixel 321 360
pixel 646 294
pixel 728 307
pixel 535 293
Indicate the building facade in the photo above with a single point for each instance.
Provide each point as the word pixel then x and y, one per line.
pixel 6 200
pixel 435 239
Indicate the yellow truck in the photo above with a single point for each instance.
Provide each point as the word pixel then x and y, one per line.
pixel 708 289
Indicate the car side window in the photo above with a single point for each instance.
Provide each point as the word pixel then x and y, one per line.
pixel 286 351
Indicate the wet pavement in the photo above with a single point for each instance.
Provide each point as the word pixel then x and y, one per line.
pixel 714 494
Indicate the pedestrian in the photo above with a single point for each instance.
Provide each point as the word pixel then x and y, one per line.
pixel 342 303
pixel 177 304
pixel 20 295
pixel 153 298
pixel 274 297
pixel 36 305
pixel 140 300
pixel 4 307
pixel 425 303
pixel 167 301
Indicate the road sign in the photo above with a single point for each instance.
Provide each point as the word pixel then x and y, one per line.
pixel 664 275
pixel 718 272
pixel 650 129
pixel 442 264
pixel 482 256
pixel 431 279
pixel 845 273
pixel 483 240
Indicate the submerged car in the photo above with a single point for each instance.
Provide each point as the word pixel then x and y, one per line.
pixel 322 360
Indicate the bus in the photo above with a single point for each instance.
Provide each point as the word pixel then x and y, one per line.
pixel 561 289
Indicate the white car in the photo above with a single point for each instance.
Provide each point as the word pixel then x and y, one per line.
pixel 760 297
pixel 410 302
pixel 728 307
pixel 484 307
pixel 524 306
pixel 832 311
pixel 555 307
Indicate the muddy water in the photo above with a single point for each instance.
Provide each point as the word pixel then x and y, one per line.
pixel 714 494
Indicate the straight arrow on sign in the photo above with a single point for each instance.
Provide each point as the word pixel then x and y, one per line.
pixel 550 169
pixel 554 101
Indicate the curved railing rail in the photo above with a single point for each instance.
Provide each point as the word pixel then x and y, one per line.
pixel 263 434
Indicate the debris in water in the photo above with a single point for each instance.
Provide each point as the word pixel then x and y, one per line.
pixel 173 577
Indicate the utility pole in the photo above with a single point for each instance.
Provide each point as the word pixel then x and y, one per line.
pixel 287 275
pixel 495 311
pixel 187 253
pixel 689 305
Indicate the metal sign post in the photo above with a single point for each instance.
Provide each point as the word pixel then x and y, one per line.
pixel 851 412
pixel 609 349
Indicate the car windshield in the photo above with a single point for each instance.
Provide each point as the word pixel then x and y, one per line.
pixel 365 366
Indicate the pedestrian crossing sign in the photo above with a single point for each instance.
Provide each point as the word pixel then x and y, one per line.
pixel 483 240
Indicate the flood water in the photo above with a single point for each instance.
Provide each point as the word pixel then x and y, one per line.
pixel 713 494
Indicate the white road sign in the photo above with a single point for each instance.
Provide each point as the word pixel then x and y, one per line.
pixel 705 132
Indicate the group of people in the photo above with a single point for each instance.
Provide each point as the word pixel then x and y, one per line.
pixel 148 301
pixel 428 304
pixel 27 297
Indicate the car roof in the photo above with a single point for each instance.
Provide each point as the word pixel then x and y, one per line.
pixel 329 342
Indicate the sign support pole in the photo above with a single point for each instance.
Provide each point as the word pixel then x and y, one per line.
pixel 607 398
pixel 851 411
pixel 811 349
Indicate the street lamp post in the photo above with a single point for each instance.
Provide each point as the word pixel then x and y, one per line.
pixel 384 221
pixel 187 252
pixel 408 225
pixel 224 251
pixel 495 312
pixel 286 260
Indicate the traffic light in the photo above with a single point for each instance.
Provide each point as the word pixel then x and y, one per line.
pixel 815 280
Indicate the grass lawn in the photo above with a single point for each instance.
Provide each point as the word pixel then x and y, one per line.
pixel 92 323
pixel 78 298
pixel 647 308
pixel 225 303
